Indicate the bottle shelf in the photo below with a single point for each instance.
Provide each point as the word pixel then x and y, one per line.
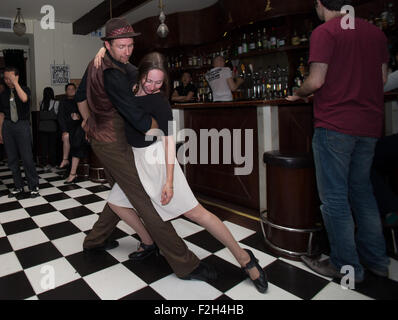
pixel 244 55
pixel 270 51
pixel 190 68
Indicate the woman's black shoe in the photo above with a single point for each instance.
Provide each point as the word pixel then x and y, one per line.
pixel 261 282
pixel 71 181
pixel 148 251
pixel 64 166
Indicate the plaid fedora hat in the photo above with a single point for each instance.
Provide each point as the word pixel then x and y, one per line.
pixel 117 28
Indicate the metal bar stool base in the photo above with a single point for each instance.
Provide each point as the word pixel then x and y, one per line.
pixel 97 175
pixel 285 252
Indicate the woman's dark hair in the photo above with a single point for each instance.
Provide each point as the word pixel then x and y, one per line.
pixel 335 5
pixel 48 95
pixel 154 61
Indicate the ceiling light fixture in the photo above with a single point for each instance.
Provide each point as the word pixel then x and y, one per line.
pixel 163 30
pixel 19 24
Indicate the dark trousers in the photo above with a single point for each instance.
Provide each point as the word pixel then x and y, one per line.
pixel 18 143
pixel 118 161
pixel 386 157
pixel 2 153
pixel 48 145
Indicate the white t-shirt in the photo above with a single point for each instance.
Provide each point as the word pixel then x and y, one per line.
pixel 217 79
pixel 392 81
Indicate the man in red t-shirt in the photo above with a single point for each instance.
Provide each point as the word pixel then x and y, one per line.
pixel 348 68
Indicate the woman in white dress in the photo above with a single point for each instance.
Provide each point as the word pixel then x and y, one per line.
pixel 162 177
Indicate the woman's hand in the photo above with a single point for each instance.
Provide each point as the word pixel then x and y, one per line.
pixel 167 193
pixel 75 116
pixel 85 129
pixel 98 57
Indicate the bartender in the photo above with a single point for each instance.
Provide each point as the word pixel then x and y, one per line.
pixel 221 81
pixel 185 92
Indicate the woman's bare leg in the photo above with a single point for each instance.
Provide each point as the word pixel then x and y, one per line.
pixel 218 229
pixel 131 218
pixel 65 149
pixel 73 169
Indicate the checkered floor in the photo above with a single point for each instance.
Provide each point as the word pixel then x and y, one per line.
pixel 48 231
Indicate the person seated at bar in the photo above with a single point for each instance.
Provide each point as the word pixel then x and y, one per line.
pixel 73 135
pixel 65 122
pixel 185 92
pixel 221 81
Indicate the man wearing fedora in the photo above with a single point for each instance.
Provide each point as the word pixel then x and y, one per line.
pixel 104 97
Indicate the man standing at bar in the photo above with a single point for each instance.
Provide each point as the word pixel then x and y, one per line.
pixel 348 68
pixel 108 90
pixel 221 81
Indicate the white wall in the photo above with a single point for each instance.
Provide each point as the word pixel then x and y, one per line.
pixel 59 45
pixel 8 40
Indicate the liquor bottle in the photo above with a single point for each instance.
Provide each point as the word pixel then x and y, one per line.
pixel 391 16
pixel 304 39
pixel 259 40
pixel 264 85
pixel 285 82
pixel 372 18
pixel 274 91
pixel 269 84
pixel 252 43
pixel 278 82
pixel 384 18
pixel 295 39
pixel 245 48
pixel 249 92
pixel 173 63
pixel 273 40
pixel 240 48
pixel 301 68
pixel 265 39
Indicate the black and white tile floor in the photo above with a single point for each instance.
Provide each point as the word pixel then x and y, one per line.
pixel 48 232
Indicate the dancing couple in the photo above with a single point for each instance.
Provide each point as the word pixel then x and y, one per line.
pixel 122 108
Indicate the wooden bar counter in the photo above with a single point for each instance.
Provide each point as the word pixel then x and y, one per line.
pixel 272 125
pixel 275 124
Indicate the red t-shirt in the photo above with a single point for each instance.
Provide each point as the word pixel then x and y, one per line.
pixel 351 101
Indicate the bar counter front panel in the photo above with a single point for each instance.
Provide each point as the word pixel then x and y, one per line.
pixel 276 124
pixel 264 118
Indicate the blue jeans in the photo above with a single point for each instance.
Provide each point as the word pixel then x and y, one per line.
pixel 343 164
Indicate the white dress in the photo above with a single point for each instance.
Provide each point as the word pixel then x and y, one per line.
pixel 151 168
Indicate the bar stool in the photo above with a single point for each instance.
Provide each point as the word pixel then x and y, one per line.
pixel 97 172
pixel 83 168
pixel 292 221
